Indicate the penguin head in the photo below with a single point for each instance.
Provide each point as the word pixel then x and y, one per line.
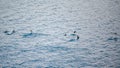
pixel 74 31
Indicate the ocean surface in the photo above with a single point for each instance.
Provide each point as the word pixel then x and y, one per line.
pixel 59 33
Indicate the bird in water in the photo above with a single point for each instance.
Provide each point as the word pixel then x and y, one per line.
pixel 31 32
pixel 28 34
pixel 113 38
pixel 73 36
pixel 9 32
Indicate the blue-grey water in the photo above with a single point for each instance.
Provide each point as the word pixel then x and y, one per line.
pixel 59 34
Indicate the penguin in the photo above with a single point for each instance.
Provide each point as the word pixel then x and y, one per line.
pixel 113 38
pixel 73 36
pixel 9 33
pixel 31 32
pixel 28 34
pixel 76 35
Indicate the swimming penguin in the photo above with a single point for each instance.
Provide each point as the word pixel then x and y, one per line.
pixel 73 36
pixel 113 38
pixel 31 32
pixel 28 34
pixel 9 33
